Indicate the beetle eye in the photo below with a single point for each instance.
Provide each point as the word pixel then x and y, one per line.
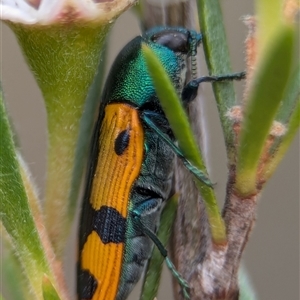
pixel 174 40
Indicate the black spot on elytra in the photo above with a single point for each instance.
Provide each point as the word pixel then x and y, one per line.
pixel 86 223
pixel 122 141
pixel 110 225
pixel 87 285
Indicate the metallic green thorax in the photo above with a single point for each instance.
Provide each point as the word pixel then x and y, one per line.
pixel 129 79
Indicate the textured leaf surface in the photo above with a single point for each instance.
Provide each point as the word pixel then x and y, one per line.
pixel 64 60
pixel 262 105
pixel 49 292
pixel 217 59
pixel 15 213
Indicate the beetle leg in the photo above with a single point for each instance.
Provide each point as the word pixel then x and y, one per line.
pixel 137 215
pixel 189 92
pixel 194 170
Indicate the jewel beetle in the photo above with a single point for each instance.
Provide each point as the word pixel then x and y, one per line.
pixel 130 170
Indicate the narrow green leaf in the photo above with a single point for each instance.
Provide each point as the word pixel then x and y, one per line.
pixel 262 105
pixel 287 106
pixel 269 19
pixel 217 59
pixel 11 281
pixel 173 109
pixel 179 122
pixel 12 274
pixel 155 263
pixel 15 213
pixel 49 292
pixel 285 142
pixel 290 98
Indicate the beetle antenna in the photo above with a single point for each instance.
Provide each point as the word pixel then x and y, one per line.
pixel 194 44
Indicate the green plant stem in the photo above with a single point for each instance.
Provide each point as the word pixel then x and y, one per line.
pixel 217 59
pixel 64 60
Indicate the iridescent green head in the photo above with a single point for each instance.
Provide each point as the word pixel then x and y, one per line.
pixel 129 80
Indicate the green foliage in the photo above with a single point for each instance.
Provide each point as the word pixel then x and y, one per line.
pixel 285 142
pixel 15 212
pixel 273 93
pixel 291 97
pixel 262 105
pixel 49 292
pixel 64 77
pixel 217 59
pixel 12 271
